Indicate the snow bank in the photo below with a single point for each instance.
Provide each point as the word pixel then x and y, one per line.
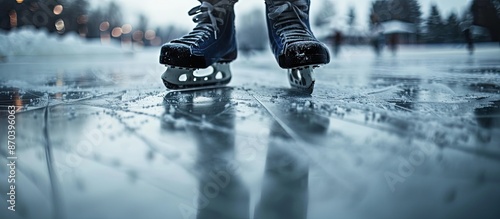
pixel 32 42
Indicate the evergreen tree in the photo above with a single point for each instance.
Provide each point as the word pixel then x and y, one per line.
pixel 453 31
pixel 415 11
pixel 380 12
pixel 435 26
pixel 402 10
pixel 406 11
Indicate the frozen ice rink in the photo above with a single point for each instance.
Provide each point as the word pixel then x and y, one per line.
pixel 416 135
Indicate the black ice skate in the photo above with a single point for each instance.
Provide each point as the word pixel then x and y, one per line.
pixel 293 43
pixel 212 43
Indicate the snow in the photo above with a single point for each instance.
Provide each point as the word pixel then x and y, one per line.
pixel 396 26
pixel 31 42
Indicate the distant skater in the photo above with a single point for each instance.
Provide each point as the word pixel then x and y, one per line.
pixel 377 36
pixel 337 42
pixel 377 42
pixel 466 26
pixel 469 40
pixel 393 43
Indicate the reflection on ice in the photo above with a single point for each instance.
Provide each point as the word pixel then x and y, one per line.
pixel 286 180
pixel 220 192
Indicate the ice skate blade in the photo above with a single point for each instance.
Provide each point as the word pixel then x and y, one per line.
pixel 302 79
pixel 177 78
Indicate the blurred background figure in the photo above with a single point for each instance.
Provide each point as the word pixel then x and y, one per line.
pixel 467 31
pixel 393 43
pixel 379 43
pixel 399 32
pixel 337 42
pixel 377 39
pixel 469 40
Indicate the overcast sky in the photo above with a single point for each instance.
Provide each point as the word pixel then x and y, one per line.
pixel 163 12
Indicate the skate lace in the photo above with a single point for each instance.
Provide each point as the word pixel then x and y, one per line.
pixel 207 22
pixel 289 28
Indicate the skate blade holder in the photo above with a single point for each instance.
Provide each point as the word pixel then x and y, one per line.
pixel 181 78
pixel 302 78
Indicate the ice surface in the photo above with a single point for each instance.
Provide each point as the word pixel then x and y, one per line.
pixel 409 136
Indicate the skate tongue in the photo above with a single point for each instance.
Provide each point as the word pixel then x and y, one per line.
pixel 289 18
pixel 280 8
pixel 203 14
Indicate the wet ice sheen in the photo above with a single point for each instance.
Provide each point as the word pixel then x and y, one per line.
pixel 379 138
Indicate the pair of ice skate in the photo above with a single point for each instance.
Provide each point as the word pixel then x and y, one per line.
pixel 212 43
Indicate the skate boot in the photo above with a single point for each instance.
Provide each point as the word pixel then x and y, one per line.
pixel 212 43
pixel 293 43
